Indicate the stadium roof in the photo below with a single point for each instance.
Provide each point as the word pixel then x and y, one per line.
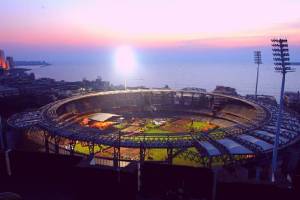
pixel 259 142
pixel 102 117
pixel 212 151
pixel 233 147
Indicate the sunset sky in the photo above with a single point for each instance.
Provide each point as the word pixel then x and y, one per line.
pixel 159 23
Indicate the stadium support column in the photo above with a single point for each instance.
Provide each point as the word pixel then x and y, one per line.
pixel 142 154
pixel 201 99
pixel 173 97
pixel 215 178
pixel 181 99
pixel 211 101
pixel 117 152
pixel 116 162
pixel 46 138
pixel 56 142
pixel 91 149
pixel 257 173
pixel 116 159
pixel 92 160
pixel 192 103
pixel 170 155
pixel 72 147
pixel 210 160
pixel 2 147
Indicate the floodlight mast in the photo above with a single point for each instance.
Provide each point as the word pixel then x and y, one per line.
pixel 258 61
pixel 282 65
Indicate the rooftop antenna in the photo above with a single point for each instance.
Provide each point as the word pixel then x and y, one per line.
pixel 282 65
pixel 258 61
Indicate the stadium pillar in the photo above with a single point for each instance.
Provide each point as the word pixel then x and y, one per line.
pixel 192 103
pixel 91 149
pixel 209 161
pixel 2 145
pixel 56 142
pixel 257 173
pixel 8 162
pixel 215 178
pixel 139 177
pixel 142 154
pixel 181 99
pixel 170 155
pixel 173 97
pixel 116 158
pixel 204 161
pixel 211 102
pixel 201 98
pixel 46 136
pixel 72 147
pixel 92 153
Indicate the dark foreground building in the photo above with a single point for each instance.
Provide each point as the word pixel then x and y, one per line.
pixel 49 176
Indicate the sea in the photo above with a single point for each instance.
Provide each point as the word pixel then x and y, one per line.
pixel 207 76
pixel 178 67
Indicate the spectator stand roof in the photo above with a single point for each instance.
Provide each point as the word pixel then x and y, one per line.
pixel 102 117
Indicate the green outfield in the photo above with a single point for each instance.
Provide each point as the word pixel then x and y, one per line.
pixel 187 157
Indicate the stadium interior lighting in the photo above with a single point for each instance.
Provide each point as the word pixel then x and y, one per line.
pixel 125 61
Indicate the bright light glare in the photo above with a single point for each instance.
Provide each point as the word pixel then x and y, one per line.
pixel 125 61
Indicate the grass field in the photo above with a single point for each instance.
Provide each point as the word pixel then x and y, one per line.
pixel 156 154
pixel 150 125
pixel 85 149
pixel 152 128
pixel 198 125
pixel 179 160
pixel 185 162
pixel 156 130
pixel 120 126
pixel 201 126
pixel 178 126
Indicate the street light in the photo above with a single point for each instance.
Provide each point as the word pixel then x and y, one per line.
pixel 282 65
pixel 258 61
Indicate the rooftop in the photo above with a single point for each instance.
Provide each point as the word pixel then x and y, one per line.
pixel 102 117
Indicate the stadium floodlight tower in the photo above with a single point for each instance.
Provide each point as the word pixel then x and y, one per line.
pixel 258 61
pixel 282 65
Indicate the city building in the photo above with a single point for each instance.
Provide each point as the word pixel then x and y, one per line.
pixel 225 90
pixel 10 61
pixel 195 89
pixel 4 65
pixel 292 97
pixel 292 100
pixel 8 91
